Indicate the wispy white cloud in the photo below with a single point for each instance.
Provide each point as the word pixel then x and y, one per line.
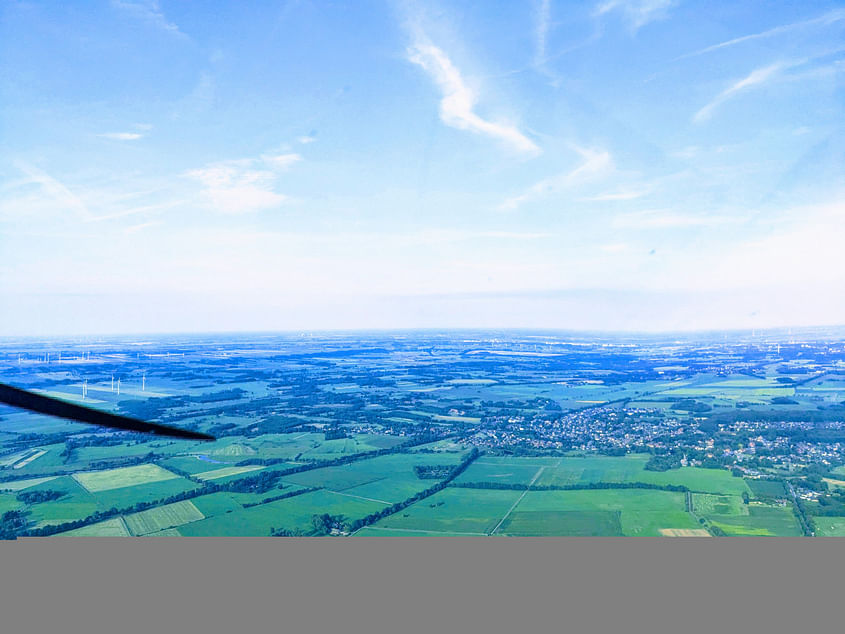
pixel 305 140
pixel 57 190
pixel 54 195
pixel 637 12
pixel 149 11
pixel 755 78
pixel 831 17
pixel 245 185
pixel 280 161
pixel 121 136
pixel 595 163
pixel 458 101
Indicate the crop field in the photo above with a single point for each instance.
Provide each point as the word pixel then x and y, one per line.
pixel 114 527
pixel 225 472
pixel 20 485
pixel 218 503
pixel 163 517
pixel 539 523
pixel 505 471
pixel 684 532
pixel 96 481
pixel 293 513
pixel 125 497
pixel 8 503
pixel 706 504
pixel 641 511
pixel 385 479
pixel 830 526
pixel 455 510
pixel 761 520
pixel 762 489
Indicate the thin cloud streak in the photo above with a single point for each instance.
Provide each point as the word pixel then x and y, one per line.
pixel 458 101
pixel 828 18
pixel 594 164
pixel 755 78
pixel 542 33
pixel 148 11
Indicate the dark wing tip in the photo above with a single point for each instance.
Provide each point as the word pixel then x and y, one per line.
pixel 50 406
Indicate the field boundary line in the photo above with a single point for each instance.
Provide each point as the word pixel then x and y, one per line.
pixel 418 530
pixel 360 497
pixel 519 499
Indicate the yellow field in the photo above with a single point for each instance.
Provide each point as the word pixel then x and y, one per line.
pixel 109 479
pixel 19 485
pixel 684 532
pixel 226 471
pixel 839 484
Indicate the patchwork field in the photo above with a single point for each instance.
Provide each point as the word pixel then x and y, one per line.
pixel 458 511
pixel 761 520
pixel 114 527
pixel 385 479
pixel 292 514
pixel 163 517
pixel 95 481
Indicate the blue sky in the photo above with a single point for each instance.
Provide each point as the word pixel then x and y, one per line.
pixel 640 165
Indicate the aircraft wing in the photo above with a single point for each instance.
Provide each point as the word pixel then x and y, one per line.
pixel 41 404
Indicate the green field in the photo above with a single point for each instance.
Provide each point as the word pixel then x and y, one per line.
pixel 830 526
pixel 20 485
pixel 126 497
pixel 642 511
pixel 506 470
pixel 453 510
pixel 292 513
pixel 95 481
pixel 707 504
pixel 761 520
pixel 217 503
pixel 539 523
pixel 385 479
pixel 77 503
pixel 163 517
pixel 8 503
pixel 578 470
pixel 763 489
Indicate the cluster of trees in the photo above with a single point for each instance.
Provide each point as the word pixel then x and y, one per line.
pixel 808 526
pixel 36 497
pixel 432 471
pixel 12 523
pixel 323 523
pixel 663 462
pixel 335 433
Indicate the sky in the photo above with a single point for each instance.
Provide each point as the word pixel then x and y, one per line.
pixel 639 165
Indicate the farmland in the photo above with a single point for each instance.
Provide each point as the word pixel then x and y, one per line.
pixel 427 433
